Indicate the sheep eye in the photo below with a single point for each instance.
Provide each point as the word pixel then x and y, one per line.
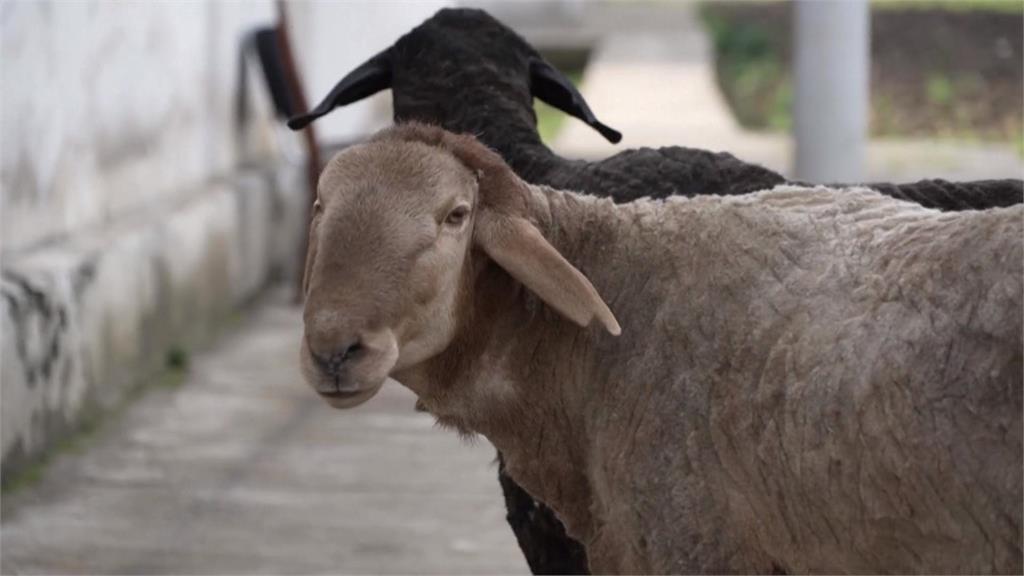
pixel 317 206
pixel 457 215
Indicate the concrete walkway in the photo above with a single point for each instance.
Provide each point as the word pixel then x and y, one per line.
pixel 655 83
pixel 242 469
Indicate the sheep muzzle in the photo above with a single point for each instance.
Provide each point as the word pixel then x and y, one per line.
pixel 351 373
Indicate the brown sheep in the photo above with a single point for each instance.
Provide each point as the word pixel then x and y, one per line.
pixel 467 72
pixel 807 380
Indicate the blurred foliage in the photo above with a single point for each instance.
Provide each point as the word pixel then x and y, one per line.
pixel 939 89
pixel 1010 6
pixel 752 71
pixel 177 359
pixel 939 68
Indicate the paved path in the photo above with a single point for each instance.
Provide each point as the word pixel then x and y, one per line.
pixel 243 470
pixel 653 80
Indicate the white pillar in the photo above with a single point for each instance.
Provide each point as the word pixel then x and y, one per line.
pixel 831 53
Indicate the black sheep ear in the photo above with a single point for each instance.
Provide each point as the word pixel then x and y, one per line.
pixel 551 86
pixel 371 77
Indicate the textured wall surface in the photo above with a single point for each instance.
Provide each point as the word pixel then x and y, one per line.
pixel 338 36
pixel 111 106
pixel 129 227
pixel 82 324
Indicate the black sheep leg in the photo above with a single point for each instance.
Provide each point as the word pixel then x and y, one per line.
pixel 542 538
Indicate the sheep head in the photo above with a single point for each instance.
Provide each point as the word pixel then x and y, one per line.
pixel 402 226
pixel 461 59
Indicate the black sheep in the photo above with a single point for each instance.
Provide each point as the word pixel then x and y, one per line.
pixel 465 71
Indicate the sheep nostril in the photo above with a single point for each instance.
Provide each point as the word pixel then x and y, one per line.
pixel 351 351
pixel 337 362
pixel 334 364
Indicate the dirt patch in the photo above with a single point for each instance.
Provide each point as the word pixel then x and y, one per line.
pixel 945 72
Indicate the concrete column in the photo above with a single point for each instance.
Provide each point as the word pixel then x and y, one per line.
pixel 831 65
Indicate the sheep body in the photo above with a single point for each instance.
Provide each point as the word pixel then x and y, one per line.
pixel 466 71
pixel 469 73
pixel 808 379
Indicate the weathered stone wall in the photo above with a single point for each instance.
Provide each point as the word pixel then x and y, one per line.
pixel 108 107
pixel 135 215
pixel 84 324
pixel 338 36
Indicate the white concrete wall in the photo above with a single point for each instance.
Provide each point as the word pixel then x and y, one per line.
pixel 332 38
pixel 128 225
pixel 83 324
pixel 108 106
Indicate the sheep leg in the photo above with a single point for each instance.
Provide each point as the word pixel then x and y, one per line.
pixel 541 536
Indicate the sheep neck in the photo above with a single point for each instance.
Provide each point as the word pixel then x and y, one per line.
pixel 582 432
pixel 521 375
pixel 509 125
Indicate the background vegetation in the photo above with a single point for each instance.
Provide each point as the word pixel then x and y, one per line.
pixel 939 69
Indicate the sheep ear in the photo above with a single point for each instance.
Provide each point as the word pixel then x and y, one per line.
pixel 371 77
pixel 551 86
pixel 520 249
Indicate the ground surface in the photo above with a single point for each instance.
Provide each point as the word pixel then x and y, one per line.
pixel 242 469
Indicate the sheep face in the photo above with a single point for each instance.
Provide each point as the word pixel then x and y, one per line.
pixel 401 227
pixel 387 242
